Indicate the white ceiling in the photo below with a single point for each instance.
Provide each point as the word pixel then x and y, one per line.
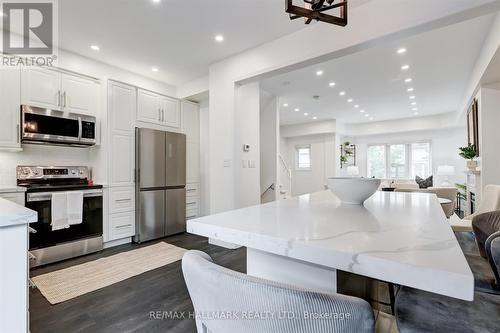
pixel 176 36
pixel 440 64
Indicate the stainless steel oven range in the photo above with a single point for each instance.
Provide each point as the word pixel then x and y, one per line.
pixel 48 246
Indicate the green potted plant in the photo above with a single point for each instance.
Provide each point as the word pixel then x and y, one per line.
pixel 469 152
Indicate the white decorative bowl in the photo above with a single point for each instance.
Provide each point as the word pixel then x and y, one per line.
pixel 353 190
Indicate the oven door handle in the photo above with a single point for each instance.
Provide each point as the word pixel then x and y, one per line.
pixel 45 196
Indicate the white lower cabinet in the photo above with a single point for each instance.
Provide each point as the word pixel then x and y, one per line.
pixel 121 225
pixel 121 199
pixel 192 200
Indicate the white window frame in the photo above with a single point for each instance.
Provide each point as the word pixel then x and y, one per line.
pixel 297 147
pixel 408 157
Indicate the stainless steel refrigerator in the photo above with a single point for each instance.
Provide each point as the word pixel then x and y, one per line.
pixel 160 184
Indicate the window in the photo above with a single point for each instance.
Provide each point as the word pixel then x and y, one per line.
pixel 397 161
pixel 303 157
pixel 421 159
pixel 376 161
pixel 402 160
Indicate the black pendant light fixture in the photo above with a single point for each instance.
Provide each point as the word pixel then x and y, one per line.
pixel 317 10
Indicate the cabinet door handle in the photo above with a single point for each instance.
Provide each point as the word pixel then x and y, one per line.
pixel 18 134
pixel 159 114
pixel 64 96
pixel 123 200
pixel 59 98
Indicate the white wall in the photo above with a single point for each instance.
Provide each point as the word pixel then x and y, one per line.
pixel 269 145
pixel 204 160
pixel 322 162
pixel 489 140
pixel 445 143
pixel 288 52
pixel 247 164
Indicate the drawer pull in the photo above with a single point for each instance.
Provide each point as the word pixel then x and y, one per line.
pixel 122 200
pixel 123 226
pixel 190 190
pixel 191 217
pixel 191 203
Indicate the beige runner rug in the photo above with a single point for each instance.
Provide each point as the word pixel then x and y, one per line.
pixel 68 283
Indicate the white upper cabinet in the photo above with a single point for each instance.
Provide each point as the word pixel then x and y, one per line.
pixel 49 88
pixel 171 112
pixel 122 101
pixel 148 107
pixel 79 94
pixel 157 109
pixel 10 101
pixel 41 87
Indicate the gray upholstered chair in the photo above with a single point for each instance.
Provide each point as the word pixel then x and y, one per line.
pixel 216 290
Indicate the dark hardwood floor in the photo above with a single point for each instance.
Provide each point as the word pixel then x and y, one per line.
pixel 126 306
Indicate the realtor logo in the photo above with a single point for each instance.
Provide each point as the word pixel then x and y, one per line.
pixel 29 28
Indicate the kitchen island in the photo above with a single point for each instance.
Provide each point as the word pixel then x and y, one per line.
pixel 14 220
pixel 402 238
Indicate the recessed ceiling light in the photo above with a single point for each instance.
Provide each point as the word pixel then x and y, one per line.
pixel 405 67
pixel 319 73
pixel 401 50
pixel 219 38
pixel 412 97
pixel 156 1
pixel 362 111
pixel 410 89
pixel 356 106
pixel 154 69
pixel 413 103
pixel 408 80
pixel 342 93
pixel 315 118
pixel 296 110
pixel 414 109
pixel 415 113
pixel 349 100
pixel 371 118
pixel 285 105
pixel 367 115
pixel 95 47
pixel 331 84
pixel 306 114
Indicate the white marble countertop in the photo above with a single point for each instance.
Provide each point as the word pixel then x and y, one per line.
pixel 399 237
pixel 14 214
pixel 11 189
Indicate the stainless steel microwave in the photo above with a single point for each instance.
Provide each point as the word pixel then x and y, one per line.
pixel 46 126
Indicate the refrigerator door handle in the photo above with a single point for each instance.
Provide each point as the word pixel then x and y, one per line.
pixel 169 150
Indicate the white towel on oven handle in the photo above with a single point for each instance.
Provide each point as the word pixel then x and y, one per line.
pixel 59 211
pixel 75 207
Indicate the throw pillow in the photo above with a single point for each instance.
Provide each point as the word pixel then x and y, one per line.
pixel 424 183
